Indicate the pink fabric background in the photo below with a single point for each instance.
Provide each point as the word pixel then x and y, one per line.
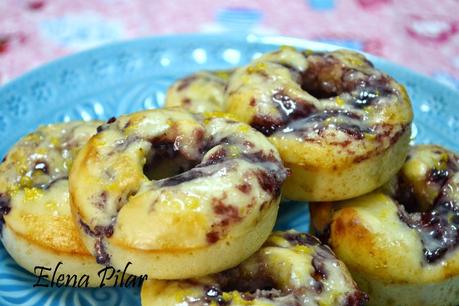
pixel 420 34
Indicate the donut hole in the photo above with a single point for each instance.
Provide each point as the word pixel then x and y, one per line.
pixel 361 93
pixel 322 79
pixel 427 207
pixel 327 80
pixel 164 160
pixel 319 89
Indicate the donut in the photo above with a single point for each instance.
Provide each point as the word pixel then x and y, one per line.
pixel 341 126
pixel 36 225
pixel 178 195
pixel 401 241
pixel 291 268
pixel 203 91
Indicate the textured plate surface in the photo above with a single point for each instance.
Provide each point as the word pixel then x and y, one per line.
pixel 131 76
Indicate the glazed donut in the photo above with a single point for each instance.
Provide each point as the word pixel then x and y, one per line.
pixel 36 225
pixel 200 92
pixel 291 268
pixel 340 125
pixel 401 241
pixel 215 208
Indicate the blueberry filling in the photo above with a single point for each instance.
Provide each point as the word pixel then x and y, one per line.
pixel 438 227
pixel 270 178
pixel 99 233
pixel 325 78
pixel 259 283
pixel 166 161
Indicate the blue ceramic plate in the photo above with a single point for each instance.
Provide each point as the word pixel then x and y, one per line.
pixel 130 76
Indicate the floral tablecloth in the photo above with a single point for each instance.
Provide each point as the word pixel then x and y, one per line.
pixel 420 34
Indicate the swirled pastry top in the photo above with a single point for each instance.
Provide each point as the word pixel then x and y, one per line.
pixel 34 197
pixel 291 268
pixel 407 231
pixel 336 102
pixel 168 180
pixel 428 190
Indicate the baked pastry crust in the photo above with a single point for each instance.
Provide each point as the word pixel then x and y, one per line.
pixel 401 241
pixel 37 226
pixel 340 125
pixel 214 213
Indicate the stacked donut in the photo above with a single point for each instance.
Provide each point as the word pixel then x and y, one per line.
pixel 389 211
pixel 189 194
pixel 341 126
pixel 401 241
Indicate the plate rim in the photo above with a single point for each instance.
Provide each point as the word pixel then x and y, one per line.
pixel 231 37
